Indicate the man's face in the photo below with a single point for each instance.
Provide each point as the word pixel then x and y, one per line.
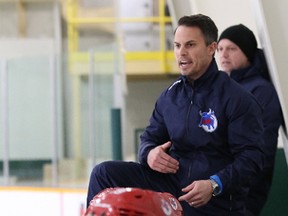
pixel 192 54
pixel 231 56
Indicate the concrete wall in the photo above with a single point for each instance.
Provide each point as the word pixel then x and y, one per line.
pixel 38 20
pixel 273 33
pixel 140 101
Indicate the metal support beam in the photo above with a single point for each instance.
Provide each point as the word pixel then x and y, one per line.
pixel 4 119
pixel 22 24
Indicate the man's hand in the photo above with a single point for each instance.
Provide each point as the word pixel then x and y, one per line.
pixel 197 194
pixel 160 161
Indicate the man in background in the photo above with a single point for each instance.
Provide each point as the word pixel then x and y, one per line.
pixel 245 63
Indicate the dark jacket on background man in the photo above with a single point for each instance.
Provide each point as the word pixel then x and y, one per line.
pixel 256 80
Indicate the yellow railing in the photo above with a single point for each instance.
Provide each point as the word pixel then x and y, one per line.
pixel 157 62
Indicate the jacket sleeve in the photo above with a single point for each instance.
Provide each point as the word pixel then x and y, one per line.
pixel 155 134
pixel 245 137
pixel 272 119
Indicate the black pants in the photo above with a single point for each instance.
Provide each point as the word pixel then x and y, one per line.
pixel 131 174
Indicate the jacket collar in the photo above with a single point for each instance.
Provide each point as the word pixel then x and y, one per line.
pixel 258 67
pixel 210 72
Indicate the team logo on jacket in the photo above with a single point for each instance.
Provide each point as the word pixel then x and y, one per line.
pixel 208 121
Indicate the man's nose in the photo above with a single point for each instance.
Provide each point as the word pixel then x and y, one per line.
pixel 224 52
pixel 182 51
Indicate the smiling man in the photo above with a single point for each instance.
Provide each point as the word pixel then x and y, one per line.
pixel 202 142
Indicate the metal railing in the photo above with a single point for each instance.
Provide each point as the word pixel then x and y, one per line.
pixel 163 56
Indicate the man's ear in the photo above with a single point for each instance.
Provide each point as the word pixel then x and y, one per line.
pixel 212 48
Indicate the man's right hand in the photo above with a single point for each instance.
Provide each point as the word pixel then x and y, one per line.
pixel 160 161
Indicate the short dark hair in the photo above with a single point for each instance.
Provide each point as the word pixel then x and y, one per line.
pixel 204 23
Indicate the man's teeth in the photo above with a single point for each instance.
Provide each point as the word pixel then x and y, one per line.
pixel 184 62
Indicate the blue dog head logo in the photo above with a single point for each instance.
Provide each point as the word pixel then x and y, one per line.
pixel 208 121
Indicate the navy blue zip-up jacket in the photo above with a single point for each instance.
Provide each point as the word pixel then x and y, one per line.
pixel 255 80
pixel 216 129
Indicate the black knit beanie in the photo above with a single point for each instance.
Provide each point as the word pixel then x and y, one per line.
pixel 243 37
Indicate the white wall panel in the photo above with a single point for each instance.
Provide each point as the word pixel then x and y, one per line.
pixel 271 18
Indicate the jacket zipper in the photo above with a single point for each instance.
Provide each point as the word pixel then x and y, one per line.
pixel 189 111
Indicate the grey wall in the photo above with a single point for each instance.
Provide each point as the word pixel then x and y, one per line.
pixel 272 25
pixel 140 101
pixel 39 19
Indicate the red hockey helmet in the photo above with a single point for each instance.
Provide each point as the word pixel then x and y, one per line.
pixel 133 201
